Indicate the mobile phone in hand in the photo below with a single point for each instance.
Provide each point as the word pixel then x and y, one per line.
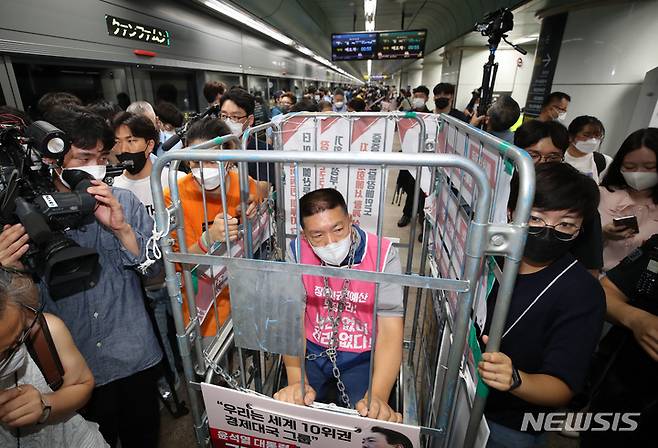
pixel 629 222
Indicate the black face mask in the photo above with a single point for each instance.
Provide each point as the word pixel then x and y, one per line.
pixel 546 246
pixel 138 160
pixel 442 102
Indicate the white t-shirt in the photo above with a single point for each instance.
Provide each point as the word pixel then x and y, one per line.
pixel 587 165
pixel 142 188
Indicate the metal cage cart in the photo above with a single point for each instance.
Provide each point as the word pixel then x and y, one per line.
pixel 465 176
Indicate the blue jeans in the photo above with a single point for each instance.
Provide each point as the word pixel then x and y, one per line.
pixel 504 437
pixel 354 372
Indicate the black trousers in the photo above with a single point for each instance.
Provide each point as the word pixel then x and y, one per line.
pixel 128 410
pixel 407 182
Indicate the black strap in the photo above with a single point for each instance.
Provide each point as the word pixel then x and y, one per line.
pixel 599 160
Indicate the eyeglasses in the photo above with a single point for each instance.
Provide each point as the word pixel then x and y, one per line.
pixel 564 231
pixel 6 356
pixel 539 157
pixel 224 116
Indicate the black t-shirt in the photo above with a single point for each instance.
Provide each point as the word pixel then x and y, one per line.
pixel 556 336
pixel 588 245
pixel 626 276
pixel 458 114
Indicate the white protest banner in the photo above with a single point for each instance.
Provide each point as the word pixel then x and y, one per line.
pixel 245 420
pixel 409 131
pixel 374 134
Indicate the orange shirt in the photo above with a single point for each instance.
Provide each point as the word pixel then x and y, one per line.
pixel 191 199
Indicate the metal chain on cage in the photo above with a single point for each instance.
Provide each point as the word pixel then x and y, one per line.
pixel 224 374
pixel 334 315
pixel 275 251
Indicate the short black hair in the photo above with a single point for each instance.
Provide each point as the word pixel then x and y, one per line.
pixel 83 128
pixel 503 113
pixel 339 92
pixel 317 201
pixel 531 132
pixel 213 88
pixel 393 437
pixel 323 104
pixel 579 123
pixel 168 113
pixel 105 109
pixel 422 89
pixel 555 96
pixel 167 92
pixel 305 105
pixel 51 100
pixel 559 186
pixel 207 128
pixel 357 104
pixel 444 87
pixel 243 99
pixel 139 126
pixel 647 137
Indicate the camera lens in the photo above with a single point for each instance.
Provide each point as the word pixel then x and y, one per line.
pixel 56 145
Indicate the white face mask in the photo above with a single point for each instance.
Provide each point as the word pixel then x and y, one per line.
pixel 234 126
pixel 96 171
pixel 418 103
pixel 562 116
pixel 14 363
pixel 588 146
pixel 334 253
pixel 640 180
pixel 339 104
pixel 210 179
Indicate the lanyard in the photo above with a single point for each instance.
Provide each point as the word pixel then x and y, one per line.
pixel 538 297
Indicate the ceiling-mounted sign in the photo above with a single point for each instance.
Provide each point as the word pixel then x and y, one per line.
pixel 128 29
pixel 378 45
pixel 548 49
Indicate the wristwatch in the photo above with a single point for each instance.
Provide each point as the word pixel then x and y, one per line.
pixel 45 413
pixel 516 379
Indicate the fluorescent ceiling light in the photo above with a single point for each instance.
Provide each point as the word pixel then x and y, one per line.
pixel 369 68
pixel 234 13
pixel 370 8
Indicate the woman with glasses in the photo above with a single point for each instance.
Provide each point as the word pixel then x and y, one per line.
pixel 547 142
pixel 31 413
pixel 555 315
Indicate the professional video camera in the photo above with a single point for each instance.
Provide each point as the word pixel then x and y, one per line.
pixel 213 110
pixel 494 26
pixel 29 196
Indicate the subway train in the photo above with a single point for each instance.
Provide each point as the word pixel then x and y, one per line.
pixel 239 223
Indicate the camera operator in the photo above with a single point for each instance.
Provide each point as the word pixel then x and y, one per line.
pixel 108 322
pixel 628 354
pixel 500 116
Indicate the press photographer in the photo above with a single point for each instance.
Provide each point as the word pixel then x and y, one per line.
pixel 108 321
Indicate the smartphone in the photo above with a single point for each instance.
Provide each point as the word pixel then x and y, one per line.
pixel 628 222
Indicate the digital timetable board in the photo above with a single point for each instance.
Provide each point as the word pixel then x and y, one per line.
pixel 378 45
pixel 401 44
pixel 353 46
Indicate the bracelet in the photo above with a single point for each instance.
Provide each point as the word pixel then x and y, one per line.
pixel 201 244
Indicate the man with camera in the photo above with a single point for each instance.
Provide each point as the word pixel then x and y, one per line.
pixel 108 321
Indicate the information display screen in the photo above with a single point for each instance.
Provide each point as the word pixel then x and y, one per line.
pixel 401 44
pixel 353 46
pixel 128 29
pixel 378 45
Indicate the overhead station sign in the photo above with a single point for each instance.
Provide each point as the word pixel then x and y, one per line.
pixel 353 46
pixel 128 29
pixel 378 45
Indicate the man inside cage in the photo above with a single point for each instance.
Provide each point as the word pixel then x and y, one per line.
pixel 338 318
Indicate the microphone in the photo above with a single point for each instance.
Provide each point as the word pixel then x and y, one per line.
pixel 171 142
pixel 174 139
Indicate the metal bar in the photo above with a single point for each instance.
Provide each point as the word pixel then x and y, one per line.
pixel 510 272
pixel 298 257
pixel 273 266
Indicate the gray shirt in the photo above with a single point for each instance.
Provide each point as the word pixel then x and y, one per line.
pixel 390 302
pixel 109 322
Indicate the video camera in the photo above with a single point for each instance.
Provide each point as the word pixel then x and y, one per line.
pixel 29 196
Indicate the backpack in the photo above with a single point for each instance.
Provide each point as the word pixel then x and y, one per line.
pixel 599 161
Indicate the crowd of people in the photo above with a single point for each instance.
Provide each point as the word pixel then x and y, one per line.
pixel 592 234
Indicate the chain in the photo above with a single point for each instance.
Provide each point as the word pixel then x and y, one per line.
pixel 226 376
pixel 335 310
pixel 275 252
